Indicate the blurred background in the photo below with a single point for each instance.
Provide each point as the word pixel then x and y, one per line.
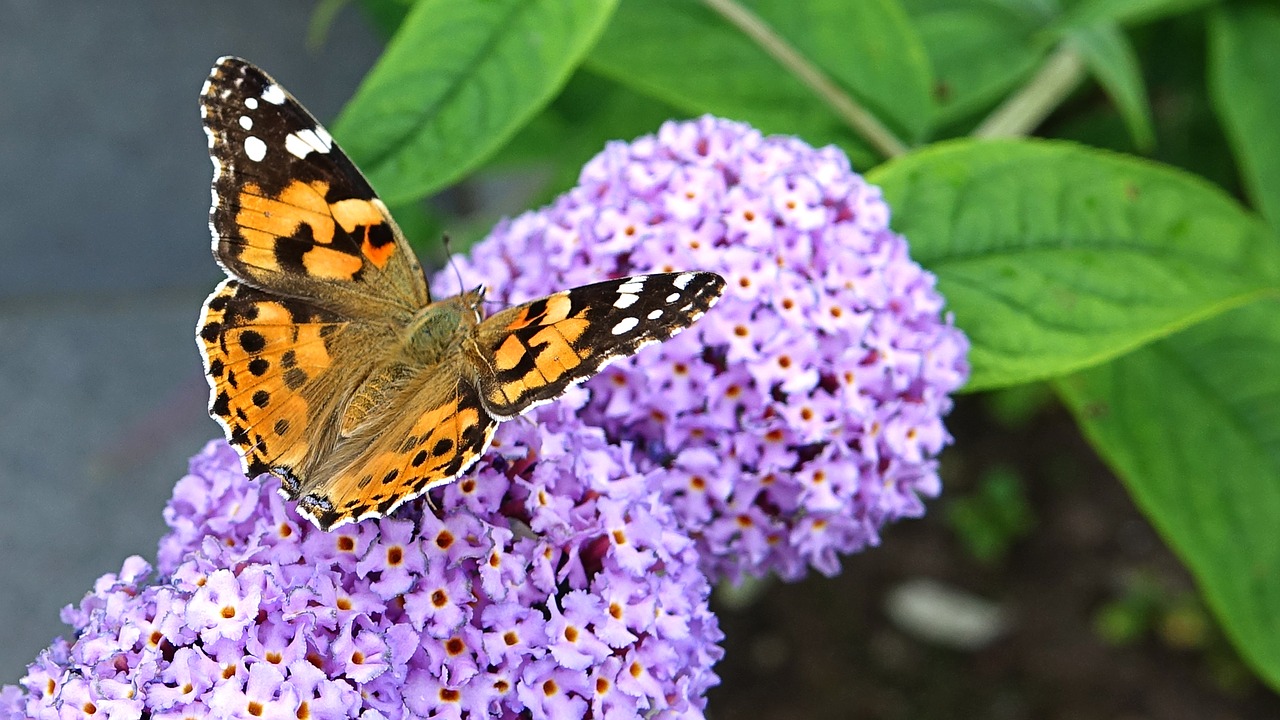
pixel 104 195
pixel 1033 588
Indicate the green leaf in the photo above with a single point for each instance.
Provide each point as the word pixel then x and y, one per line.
pixel 1130 12
pixel 869 47
pixel 1114 64
pixel 1244 73
pixel 979 52
pixel 590 112
pixel 683 54
pixel 456 82
pixel 386 15
pixel 1055 257
pixel 1192 426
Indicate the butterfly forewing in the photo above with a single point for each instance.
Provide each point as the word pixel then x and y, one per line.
pixel 531 353
pixel 291 213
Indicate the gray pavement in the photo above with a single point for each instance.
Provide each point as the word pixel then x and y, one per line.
pixel 104 260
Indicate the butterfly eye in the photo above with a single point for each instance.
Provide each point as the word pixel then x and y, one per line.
pixel 478 293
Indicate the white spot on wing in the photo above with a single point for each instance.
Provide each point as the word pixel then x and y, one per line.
pixel 626 300
pixel 682 280
pixel 306 141
pixel 251 103
pixel 296 146
pixel 255 148
pixel 672 298
pixel 246 122
pixel 634 285
pixel 273 94
pixel 655 314
pixel 625 325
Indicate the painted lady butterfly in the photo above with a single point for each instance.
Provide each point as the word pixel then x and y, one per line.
pixel 328 362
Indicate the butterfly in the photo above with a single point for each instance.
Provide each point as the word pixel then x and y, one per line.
pixel 329 364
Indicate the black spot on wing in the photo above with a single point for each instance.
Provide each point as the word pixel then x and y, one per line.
pixel 221 405
pixel 259 366
pixel 257 466
pixel 443 447
pixel 295 378
pixel 211 331
pixel 380 235
pixel 252 341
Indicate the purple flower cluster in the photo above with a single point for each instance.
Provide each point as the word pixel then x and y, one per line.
pixel 803 412
pixel 553 585
pixel 567 575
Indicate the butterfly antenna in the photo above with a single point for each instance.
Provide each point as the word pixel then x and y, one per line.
pixel 448 251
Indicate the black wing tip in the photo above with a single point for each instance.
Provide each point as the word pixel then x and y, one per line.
pixel 705 286
pixel 229 73
pixel 233 66
pixel 714 281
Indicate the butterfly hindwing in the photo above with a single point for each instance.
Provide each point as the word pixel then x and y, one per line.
pixel 531 353
pixel 291 213
pixel 274 367
pixel 400 455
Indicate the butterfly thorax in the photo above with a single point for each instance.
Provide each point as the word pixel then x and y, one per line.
pixel 432 338
pixel 437 330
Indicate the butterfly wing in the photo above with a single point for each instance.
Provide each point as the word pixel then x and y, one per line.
pixel 431 433
pixel 529 354
pixel 321 280
pixel 271 365
pixel 304 346
pixel 291 214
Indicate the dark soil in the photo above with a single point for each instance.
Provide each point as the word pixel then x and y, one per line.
pixel 824 648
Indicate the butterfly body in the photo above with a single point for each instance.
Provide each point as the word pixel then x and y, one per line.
pixel 330 365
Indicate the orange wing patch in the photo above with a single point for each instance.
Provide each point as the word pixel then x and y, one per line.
pixel 259 355
pixel 401 463
pixel 549 310
pixel 365 215
pixel 263 220
pixel 541 349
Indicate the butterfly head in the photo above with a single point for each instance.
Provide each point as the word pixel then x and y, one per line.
pixel 474 300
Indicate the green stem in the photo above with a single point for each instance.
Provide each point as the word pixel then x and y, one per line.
pixel 1024 111
pixel 854 115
